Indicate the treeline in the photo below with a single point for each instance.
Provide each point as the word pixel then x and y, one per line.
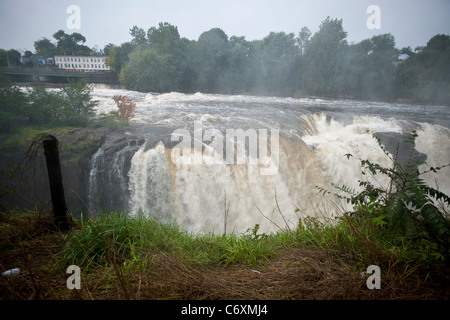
pixel 323 64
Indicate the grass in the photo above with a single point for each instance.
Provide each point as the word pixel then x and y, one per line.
pixel 95 241
pixel 141 258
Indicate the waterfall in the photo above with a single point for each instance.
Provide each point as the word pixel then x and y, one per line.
pixel 140 173
pixel 93 174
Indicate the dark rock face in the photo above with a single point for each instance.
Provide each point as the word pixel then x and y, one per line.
pixel 396 144
pixel 108 177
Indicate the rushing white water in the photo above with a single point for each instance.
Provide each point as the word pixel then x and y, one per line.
pixel 314 136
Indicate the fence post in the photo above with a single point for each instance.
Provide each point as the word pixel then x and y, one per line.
pixel 51 152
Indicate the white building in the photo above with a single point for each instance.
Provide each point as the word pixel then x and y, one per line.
pixel 81 63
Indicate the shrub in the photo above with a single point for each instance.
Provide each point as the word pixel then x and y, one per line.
pixel 407 209
pixel 126 107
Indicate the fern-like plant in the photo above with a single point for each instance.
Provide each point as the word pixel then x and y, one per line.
pixel 408 205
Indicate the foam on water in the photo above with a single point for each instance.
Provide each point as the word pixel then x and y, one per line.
pixel 315 136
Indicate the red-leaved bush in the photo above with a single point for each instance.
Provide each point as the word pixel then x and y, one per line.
pixel 126 107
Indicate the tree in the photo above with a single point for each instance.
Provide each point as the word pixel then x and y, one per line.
pixel 148 70
pixel 425 75
pixel 278 56
pixel 70 106
pixel 381 65
pixel 44 48
pixel 107 49
pixel 165 39
pixel 322 58
pixel 77 105
pixel 119 56
pixel 211 59
pixel 239 75
pixel 44 107
pixel 188 72
pixel 138 35
pixel 14 58
pixel 70 43
pixel 3 58
pixel 303 39
pixel 27 59
pixel 12 105
pixel 370 68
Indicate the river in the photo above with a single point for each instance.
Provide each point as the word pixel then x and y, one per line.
pixel 178 164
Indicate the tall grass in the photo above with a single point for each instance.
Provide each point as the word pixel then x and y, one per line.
pixel 115 236
pixel 133 242
pixel 122 256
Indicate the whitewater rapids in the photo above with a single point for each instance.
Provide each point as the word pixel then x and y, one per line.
pixel 215 196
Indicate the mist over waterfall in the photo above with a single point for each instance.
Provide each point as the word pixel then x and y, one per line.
pixel 143 170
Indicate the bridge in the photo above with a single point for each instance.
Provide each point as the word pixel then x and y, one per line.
pixel 54 75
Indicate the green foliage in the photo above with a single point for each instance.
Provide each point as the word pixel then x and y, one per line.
pixel 282 64
pixel 278 54
pixel 10 58
pixel 323 63
pixel 147 70
pixel 113 120
pixel 118 56
pixel 150 64
pixel 77 105
pixel 322 58
pixel 12 104
pixel 44 106
pixel 117 236
pixel 71 105
pixel 424 76
pixel 70 43
pixel 407 208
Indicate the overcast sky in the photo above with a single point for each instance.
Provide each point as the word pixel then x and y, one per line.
pixel 411 22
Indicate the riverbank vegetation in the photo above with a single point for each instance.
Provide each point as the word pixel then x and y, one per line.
pixel 320 64
pixel 140 258
pixel 70 106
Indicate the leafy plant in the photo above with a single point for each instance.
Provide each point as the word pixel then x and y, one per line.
pixel 126 107
pixel 78 107
pixel 408 206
